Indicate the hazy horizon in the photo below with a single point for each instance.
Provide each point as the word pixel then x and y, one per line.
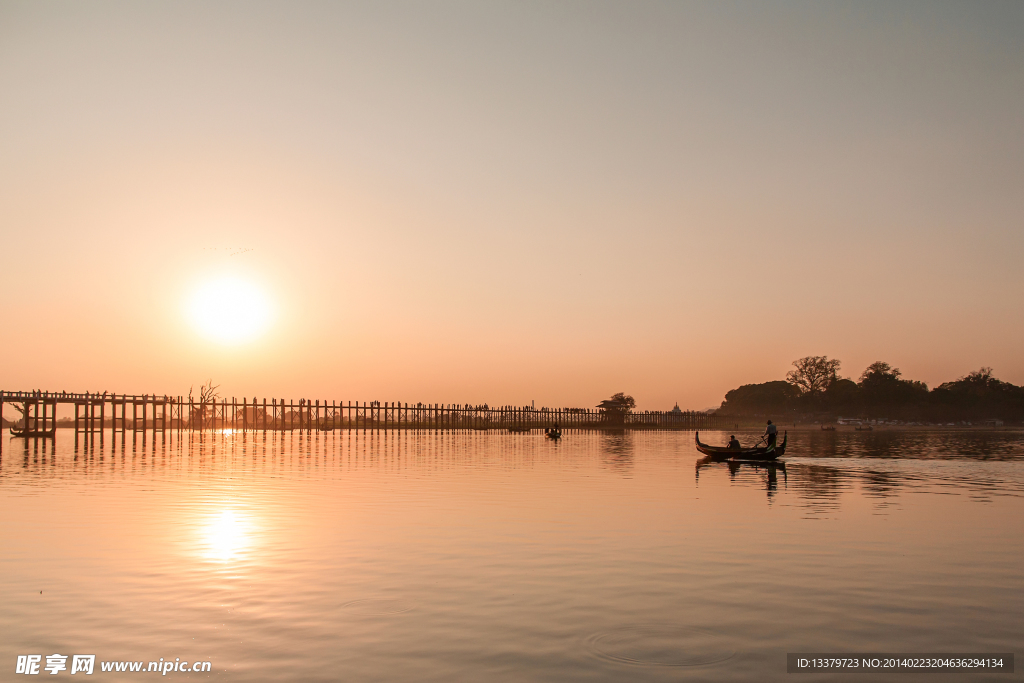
pixel 506 203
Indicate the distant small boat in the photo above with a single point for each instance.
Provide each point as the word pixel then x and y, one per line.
pixel 34 433
pixel 828 428
pixel 553 433
pixel 865 428
pixel 518 430
pixel 753 453
pixel 326 427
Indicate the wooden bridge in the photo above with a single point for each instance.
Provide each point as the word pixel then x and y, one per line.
pixel 162 413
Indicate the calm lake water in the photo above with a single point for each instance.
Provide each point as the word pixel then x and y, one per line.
pixel 483 556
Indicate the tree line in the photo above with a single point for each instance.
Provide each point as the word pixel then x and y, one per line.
pixel 815 387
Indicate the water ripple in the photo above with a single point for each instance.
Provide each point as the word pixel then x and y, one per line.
pixel 660 645
pixel 376 607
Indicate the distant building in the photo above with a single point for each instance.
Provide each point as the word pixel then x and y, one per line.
pixel 676 410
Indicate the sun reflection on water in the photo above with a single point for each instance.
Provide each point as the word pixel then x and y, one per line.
pixel 227 535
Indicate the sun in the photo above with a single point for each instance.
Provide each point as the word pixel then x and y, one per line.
pixel 229 310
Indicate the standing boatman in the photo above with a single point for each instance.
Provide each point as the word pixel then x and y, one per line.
pixel 771 433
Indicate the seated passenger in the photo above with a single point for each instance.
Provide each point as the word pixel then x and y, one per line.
pixel 734 443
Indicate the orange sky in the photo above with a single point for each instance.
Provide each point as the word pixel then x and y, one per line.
pixel 460 203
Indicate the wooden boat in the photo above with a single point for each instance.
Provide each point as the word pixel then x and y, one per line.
pixel 553 433
pixel 828 428
pixel 758 453
pixel 34 433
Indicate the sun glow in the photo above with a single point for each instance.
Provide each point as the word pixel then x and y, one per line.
pixel 226 535
pixel 229 311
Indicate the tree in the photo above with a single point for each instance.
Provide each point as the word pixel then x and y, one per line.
pixel 879 371
pixel 979 381
pixel 842 395
pixel 979 395
pixel 627 401
pixel 208 395
pixel 617 407
pixel 814 374
pixel 760 399
pixel 886 395
pixel 23 409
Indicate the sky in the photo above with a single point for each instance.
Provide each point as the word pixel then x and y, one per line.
pixel 508 202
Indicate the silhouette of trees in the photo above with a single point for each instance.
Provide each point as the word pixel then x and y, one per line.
pixel 625 400
pixel 617 407
pixel 842 396
pixel 813 374
pixel 879 371
pixel 761 399
pixel 979 395
pixel 884 392
pixel 815 388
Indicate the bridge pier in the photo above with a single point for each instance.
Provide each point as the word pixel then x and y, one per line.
pixel 114 404
pixel 85 414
